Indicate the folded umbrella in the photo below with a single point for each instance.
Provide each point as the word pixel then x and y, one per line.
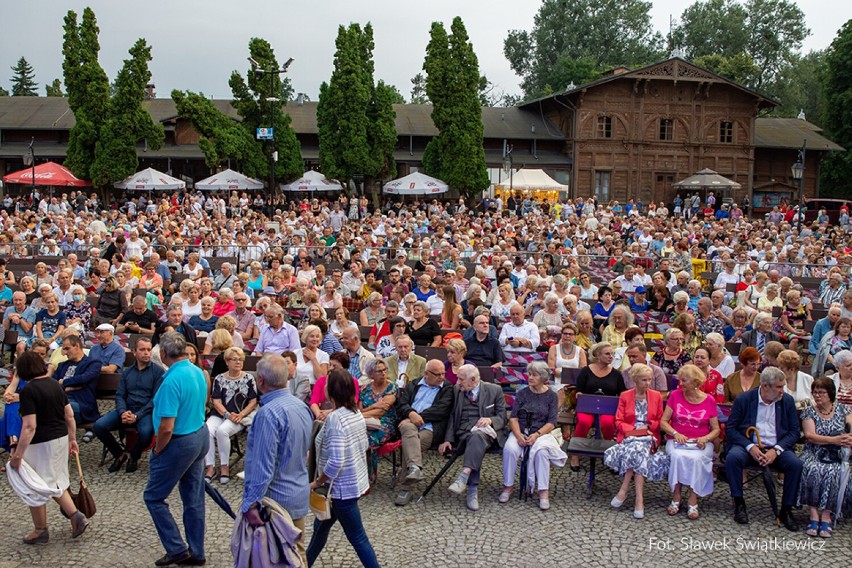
pixel 219 500
pixel 768 480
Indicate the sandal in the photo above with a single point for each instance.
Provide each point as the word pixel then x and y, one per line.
pixel 813 528
pixel 825 530
pixel 673 508
pixel 692 512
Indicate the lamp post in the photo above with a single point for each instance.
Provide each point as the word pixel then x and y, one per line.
pixel 507 165
pixel 271 99
pixel 798 170
pixel 32 163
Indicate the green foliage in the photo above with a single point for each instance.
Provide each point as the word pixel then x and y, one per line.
pixel 127 121
pixel 355 119
pixel 394 94
pixel 23 80
pixel 250 101
pixel 3 92
pixel 599 33
pixel 418 90
pixel 54 89
pixel 836 170
pixel 87 89
pixel 453 84
pixel 799 87
pixel 770 32
pixel 222 138
pixel 739 67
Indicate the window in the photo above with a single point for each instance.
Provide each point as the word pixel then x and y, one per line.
pixel 604 127
pixel 666 128
pixel 602 185
pixel 726 132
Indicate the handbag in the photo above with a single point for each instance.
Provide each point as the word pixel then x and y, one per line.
pixel 84 500
pixel 320 502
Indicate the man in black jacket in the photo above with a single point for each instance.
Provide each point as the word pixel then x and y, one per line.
pixel 424 406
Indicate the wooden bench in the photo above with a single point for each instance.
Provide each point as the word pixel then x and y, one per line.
pixel 593 448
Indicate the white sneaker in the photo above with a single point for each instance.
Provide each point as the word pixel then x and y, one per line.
pixel 473 499
pixel 458 486
pixel 504 496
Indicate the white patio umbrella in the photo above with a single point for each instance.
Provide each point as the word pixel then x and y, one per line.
pixel 228 180
pixel 150 180
pixel 415 184
pixel 313 181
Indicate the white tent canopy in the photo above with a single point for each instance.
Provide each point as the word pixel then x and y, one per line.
pixel 313 181
pixel 150 179
pixel 415 184
pixel 229 180
pixel 532 180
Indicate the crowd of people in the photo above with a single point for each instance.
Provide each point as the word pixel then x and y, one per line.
pixel 436 324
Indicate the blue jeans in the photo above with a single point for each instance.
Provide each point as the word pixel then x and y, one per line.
pixel 346 511
pixel 180 463
pixel 75 406
pixel 112 421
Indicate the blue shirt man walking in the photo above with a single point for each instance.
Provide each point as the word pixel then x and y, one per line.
pixel 178 457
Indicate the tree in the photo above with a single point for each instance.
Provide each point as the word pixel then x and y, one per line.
pixel 87 87
pixel 54 89
pixel 456 155
pixel 222 138
pixel 799 87
pixel 394 94
pixel 837 167
pixel 770 32
pixel 355 118
pixel 3 92
pixel 606 33
pixel 418 90
pixel 739 68
pixel 250 101
pixel 127 121
pixel 23 80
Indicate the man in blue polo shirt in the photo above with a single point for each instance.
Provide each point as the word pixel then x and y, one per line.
pixel 107 351
pixel 178 457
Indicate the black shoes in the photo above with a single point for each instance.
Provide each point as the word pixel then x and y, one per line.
pixel 132 465
pixel 117 463
pixel 192 561
pixel 787 519
pixel 168 559
pixel 740 513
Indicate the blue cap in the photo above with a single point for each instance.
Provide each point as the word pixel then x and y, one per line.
pixel 640 290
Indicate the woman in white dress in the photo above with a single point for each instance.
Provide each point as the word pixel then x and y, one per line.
pixel 311 362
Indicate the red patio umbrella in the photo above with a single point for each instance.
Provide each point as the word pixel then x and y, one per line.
pixel 49 173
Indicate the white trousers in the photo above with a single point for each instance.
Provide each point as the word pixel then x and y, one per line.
pixel 220 431
pixel 539 461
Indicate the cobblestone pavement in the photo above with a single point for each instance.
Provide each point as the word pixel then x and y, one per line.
pixel 441 532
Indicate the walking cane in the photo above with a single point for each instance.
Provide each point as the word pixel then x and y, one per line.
pixel 524 416
pixel 441 473
pixel 768 482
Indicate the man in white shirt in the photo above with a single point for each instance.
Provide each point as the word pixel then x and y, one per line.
pixel 628 280
pixel 519 335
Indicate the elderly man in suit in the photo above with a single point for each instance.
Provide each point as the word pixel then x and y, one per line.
pixel 423 406
pixel 406 362
pixel 773 413
pixel 477 422
pixel 761 334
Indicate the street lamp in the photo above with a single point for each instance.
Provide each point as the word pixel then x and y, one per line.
pixel 271 99
pixel 507 164
pixel 32 162
pixel 798 170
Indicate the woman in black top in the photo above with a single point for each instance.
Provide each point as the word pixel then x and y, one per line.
pixel 111 304
pixel 47 437
pixel 423 330
pixel 598 378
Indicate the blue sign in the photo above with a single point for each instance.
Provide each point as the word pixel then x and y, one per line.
pixel 265 133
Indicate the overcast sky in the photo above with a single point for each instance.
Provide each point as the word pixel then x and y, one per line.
pixel 197 43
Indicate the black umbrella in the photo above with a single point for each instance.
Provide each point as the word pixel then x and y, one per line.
pixel 219 499
pixel 525 417
pixel 768 480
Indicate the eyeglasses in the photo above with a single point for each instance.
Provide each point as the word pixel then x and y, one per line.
pixel 235 360
pixel 567 334
pixel 436 374
pixel 820 393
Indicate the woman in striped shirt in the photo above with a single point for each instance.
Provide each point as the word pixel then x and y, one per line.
pixel 341 447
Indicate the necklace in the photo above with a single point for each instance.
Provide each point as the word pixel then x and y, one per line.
pixel 828 412
pixel 569 354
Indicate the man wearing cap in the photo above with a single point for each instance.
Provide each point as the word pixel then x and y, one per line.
pixel 639 301
pixel 107 351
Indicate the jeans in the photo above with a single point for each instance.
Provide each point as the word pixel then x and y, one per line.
pixel 75 406
pixel 180 463
pixel 112 421
pixel 346 511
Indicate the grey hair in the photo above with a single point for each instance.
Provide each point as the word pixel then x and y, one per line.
pixel 539 369
pixel 772 375
pixel 680 296
pixel 469 371
pixel 550 297
pixel 628 315
pixel 176 307
pixel 762 316
pixel 423 305
pixel 843 357
pixel 173 345
pixel 370 366
pixel 274 370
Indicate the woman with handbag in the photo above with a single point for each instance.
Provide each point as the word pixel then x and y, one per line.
pixel 637 424
pixel 825 425
pixel 47 437
pixel 234 399
pixel 341 458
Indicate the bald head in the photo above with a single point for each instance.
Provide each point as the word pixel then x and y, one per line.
pixel 435 372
